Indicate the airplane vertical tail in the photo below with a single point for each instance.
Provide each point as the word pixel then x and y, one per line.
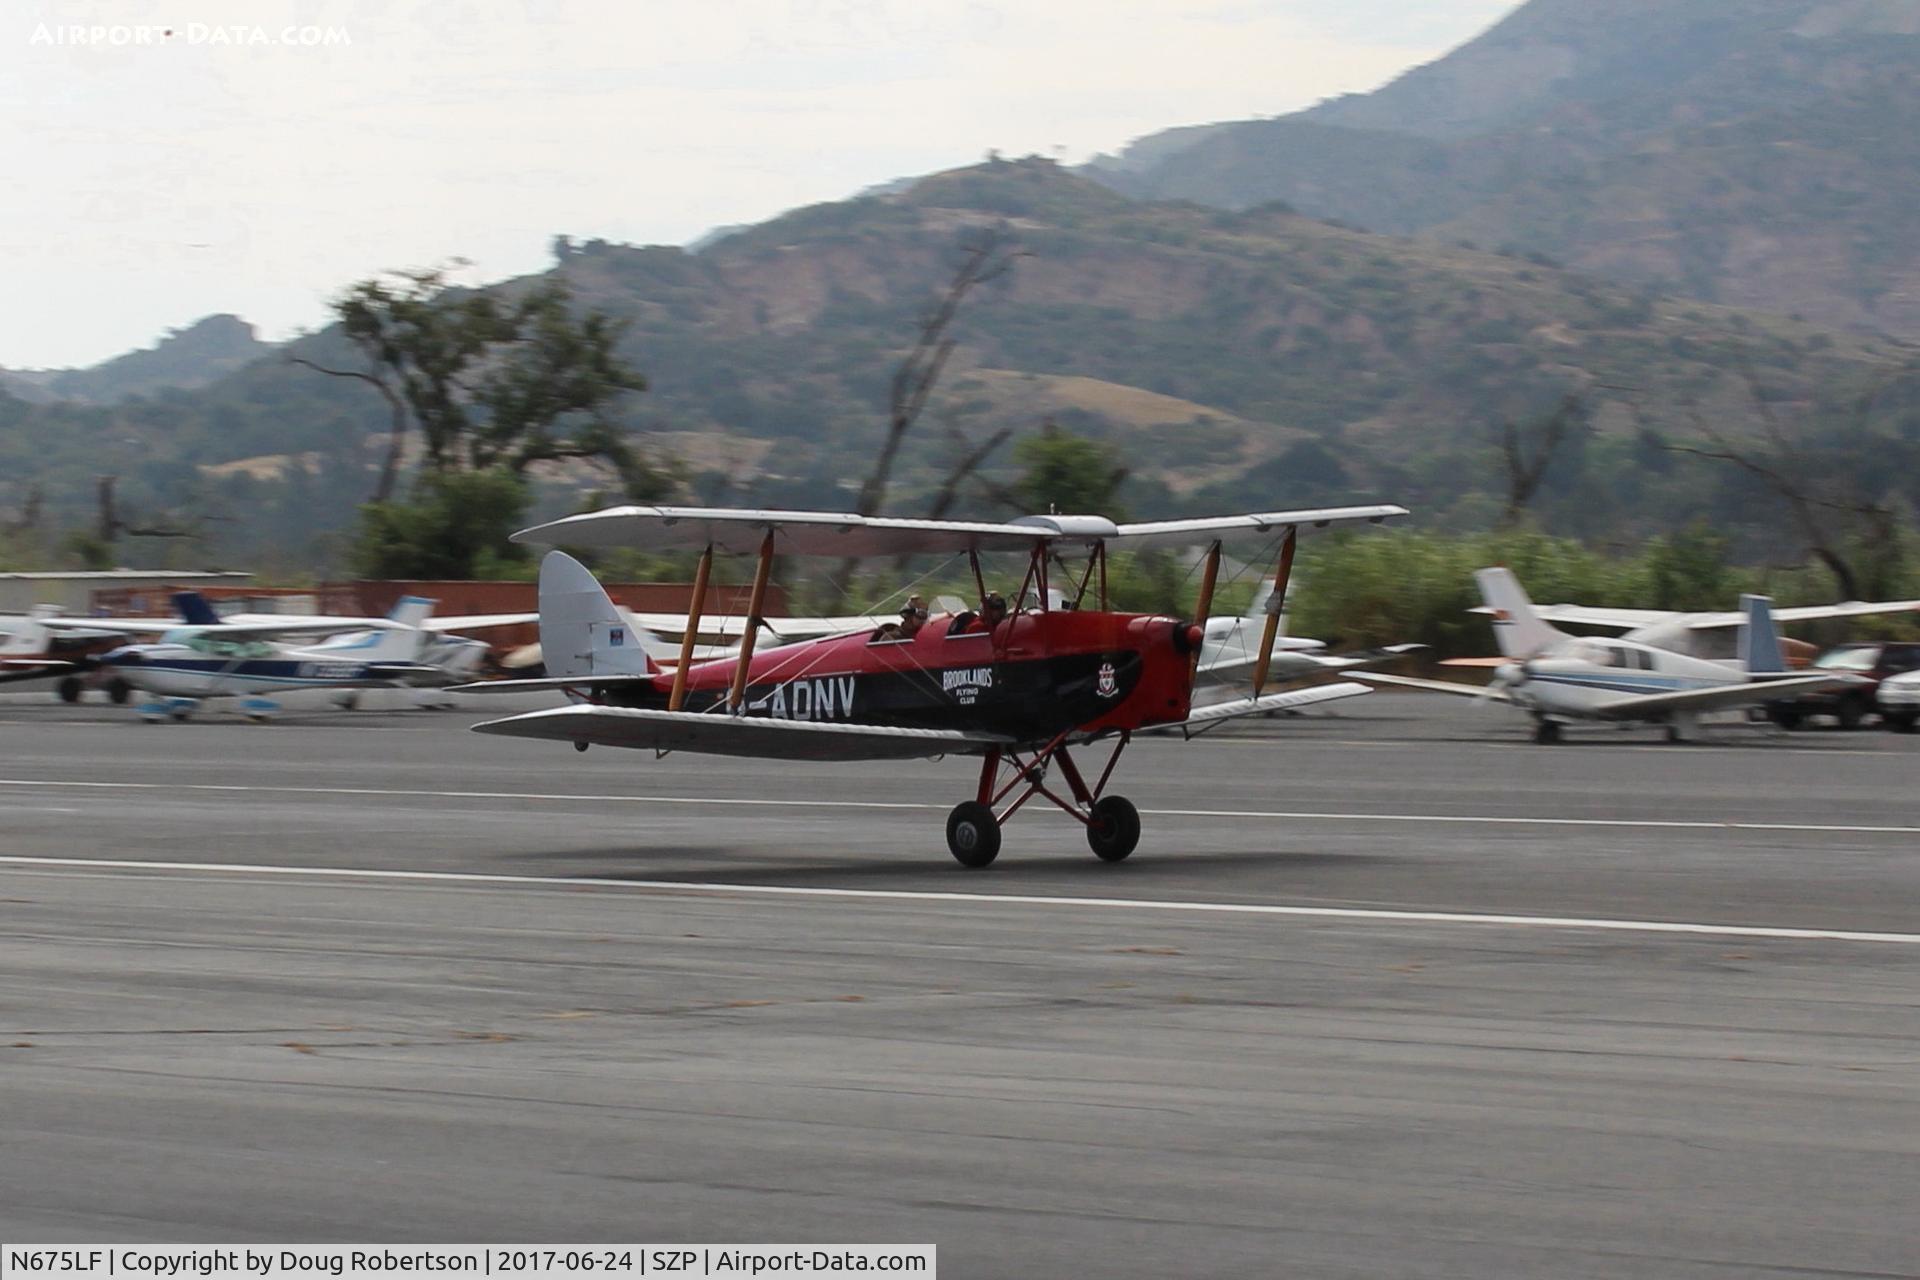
pixel 411 611
pixel 1519 631
pixel 581 631
pixel 1759 647
pixel 194 609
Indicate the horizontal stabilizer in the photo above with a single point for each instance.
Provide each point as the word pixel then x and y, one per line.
pixel 554 682
pixel 726 735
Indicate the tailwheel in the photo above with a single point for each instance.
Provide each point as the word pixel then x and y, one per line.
pixel 1113 828
pixel 973 834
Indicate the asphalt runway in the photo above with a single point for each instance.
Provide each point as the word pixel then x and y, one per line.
pixel 1387 991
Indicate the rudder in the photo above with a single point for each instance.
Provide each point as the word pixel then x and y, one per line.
pixel 1519 631
pixel 581 632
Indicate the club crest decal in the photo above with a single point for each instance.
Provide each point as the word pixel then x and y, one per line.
pixel 1107 685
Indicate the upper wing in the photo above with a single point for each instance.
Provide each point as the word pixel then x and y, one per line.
pixel 1434 686
pixel 1727 695
pixel 1176 533
pixel 828 533
pixel 726 735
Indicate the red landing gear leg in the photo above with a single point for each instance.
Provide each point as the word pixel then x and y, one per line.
pixel 1112 823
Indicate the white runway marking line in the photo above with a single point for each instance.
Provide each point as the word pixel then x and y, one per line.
pixel 1569 923
pixel 1663 824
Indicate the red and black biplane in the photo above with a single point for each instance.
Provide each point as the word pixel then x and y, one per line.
pixel 1020 687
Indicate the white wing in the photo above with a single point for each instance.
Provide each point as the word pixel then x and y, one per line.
pixel 1730 695
pixel 738 735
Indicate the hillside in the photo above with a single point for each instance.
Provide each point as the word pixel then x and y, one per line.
pixel 1233 358
pixel 185 358
pixel 1753 152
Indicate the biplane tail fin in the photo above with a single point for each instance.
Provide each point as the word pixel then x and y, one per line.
pixel 581 632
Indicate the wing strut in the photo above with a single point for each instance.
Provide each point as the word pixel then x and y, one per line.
pixel 736 700
pixel 1276 603
pixel 1205 606
pixel 677 699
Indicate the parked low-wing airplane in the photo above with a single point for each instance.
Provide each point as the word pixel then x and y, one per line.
pixel 1558 678
pixel 1707 635
pixel 1019 689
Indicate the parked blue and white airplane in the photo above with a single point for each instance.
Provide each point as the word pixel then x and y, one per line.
pixel 1558 678
pixel 205 656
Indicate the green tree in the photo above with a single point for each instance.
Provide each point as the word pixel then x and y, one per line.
pixel 456 526
pixel 1068 473
pixel 494 383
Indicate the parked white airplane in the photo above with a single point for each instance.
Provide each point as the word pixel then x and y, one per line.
pixel 189 664
pixel 1557 678
pixel 1231 648
pixel 1705 635
pixel 210 657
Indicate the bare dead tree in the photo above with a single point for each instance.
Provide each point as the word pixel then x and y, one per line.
pixel 1782 466
pixel 111 524
pixel 32 509
pixel 985 256
pixel 973 455
pixel 1527 461
pixel 396 434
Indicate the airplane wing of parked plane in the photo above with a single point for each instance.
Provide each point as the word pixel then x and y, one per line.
pixel 1732 695
pixel 1644 619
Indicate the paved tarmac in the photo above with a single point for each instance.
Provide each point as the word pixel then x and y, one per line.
pixel 1385 992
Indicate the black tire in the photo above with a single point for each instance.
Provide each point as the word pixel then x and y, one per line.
pixel 973 835
pixel 1901 721
pixel 1546 732
pixel 70 689
pixel 1849 712
pixel 1115 828
pixel 1785 717
pixel 118 691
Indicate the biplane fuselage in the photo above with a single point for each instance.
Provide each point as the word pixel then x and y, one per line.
pixel 1030 678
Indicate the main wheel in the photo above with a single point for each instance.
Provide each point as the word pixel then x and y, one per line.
pixel 1785 717
pixel 69 689
pixel 973 835
pixel 1850 712
pixel 1115 828
pixel 1546 732
pixel 118 691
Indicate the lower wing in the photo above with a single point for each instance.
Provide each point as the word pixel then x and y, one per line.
pixel 726 735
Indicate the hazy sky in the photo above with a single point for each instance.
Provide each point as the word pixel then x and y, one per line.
pixel 267 152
